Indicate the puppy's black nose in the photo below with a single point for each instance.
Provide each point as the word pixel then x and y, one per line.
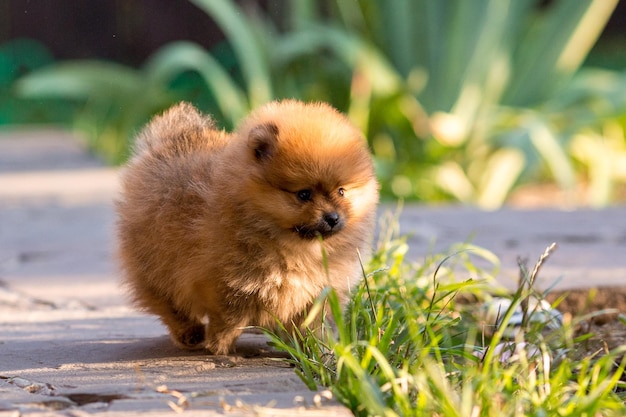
pixel 332 219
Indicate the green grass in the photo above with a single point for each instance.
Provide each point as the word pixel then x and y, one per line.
pixel 410 344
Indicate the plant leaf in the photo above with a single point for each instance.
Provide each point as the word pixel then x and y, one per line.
pixel 179 57
pixel 248 48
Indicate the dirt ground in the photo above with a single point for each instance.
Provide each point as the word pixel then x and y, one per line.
pixel 605 326
pixel 604 307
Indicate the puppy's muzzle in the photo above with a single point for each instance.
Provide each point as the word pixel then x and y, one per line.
pixel 329 224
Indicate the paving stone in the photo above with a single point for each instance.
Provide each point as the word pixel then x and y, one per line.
pixel 591 248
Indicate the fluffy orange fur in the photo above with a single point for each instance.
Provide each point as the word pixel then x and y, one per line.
pixel 228 226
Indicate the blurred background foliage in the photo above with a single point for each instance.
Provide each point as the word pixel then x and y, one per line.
pixel 467 101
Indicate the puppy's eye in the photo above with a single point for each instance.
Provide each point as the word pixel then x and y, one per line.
pixel 341 191
pixel 304 195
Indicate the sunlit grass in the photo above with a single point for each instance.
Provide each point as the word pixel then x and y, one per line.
pixel 410 344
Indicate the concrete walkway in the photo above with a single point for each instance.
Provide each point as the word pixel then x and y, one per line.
pixel 70 344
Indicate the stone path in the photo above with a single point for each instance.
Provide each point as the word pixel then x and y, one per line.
pixel 71 345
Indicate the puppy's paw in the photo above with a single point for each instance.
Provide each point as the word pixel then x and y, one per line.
pixel 191 337
pixel 222 343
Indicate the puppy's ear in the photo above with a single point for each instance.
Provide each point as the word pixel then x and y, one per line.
pixel 263 140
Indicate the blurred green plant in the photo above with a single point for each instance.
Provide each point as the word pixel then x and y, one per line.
pixel 19 57
pixel 460 100
pixel 117 100
pixel 496 84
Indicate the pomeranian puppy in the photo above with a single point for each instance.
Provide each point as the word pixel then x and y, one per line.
pixel 244 228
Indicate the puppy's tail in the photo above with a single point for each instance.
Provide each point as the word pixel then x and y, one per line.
pixel 179 130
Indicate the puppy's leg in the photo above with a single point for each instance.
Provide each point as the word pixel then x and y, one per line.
pixel 186 332
pixel 223 333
